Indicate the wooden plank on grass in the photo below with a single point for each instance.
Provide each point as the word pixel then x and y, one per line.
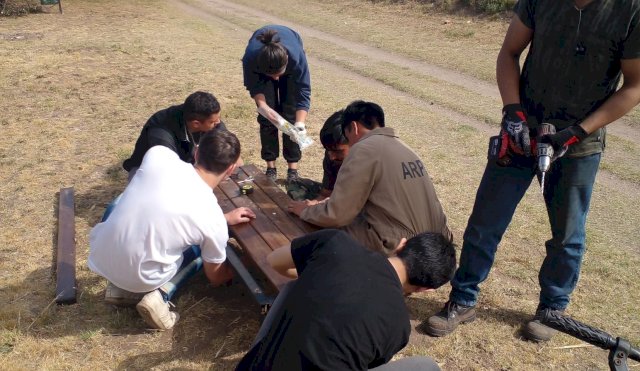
pixel 66 250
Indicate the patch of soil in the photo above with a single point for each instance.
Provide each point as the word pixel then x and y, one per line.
pixel 19 36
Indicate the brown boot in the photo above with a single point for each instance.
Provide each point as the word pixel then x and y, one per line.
pixel 534 330
pixel 447 319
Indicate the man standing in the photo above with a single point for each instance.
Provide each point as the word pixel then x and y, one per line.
pixel 166 209
pixel 177 128
pixel 346 310
pixel 383 192
pixel 276 75
pixel 577 52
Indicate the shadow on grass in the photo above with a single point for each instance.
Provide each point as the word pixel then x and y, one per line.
pixel 90 204
pixel 216 326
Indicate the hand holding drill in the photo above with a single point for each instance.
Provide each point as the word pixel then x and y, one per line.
pixel 561 140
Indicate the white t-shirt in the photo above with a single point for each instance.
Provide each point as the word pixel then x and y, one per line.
pixel 165 208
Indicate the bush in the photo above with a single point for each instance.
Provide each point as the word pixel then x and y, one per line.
pixel 19 7
pixel 490 6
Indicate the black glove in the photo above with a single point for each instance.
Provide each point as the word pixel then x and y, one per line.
pixel 514 124
pixel 561 140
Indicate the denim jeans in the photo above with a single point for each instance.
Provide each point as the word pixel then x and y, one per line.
pixel 567 195
pixel 191 260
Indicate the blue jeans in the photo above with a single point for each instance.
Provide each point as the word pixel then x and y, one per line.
pixel 567 195
pixel 191 260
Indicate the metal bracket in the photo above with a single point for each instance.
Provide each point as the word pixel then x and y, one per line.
pixel 265 301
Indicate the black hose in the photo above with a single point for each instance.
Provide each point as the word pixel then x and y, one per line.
pixel 584 332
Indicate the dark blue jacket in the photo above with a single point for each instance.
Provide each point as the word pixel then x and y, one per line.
pixel 297 68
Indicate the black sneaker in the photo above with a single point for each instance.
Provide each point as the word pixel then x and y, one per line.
pixel 535 331
pixel 292 176
pixel 271 173
pixel 447 319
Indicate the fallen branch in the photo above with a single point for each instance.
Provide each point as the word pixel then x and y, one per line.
pixel 585 345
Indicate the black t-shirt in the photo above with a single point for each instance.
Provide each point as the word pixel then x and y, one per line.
pixel 330 172
pixel 573 63
pixel 166 128
pixel 346 311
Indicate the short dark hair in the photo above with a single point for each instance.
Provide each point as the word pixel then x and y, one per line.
pixel 368 114
pixel 200 105
pixel 430 260
pixel 331 133
pixel 217 150
pixel 272 57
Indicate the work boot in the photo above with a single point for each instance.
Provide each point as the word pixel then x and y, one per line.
pixel 535 331
pixel 120 297
pixel 447 319
pixel 155 311
pixel 292 176
pixel 271 173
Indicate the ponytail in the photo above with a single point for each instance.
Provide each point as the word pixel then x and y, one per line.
pixel 272 58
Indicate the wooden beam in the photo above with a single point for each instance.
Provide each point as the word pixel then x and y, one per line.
pixel 66 249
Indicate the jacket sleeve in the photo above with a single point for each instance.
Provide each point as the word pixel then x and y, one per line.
pixel 252 80
pixel 356 178
pixel 303 83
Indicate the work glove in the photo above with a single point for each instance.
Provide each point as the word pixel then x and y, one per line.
pixel 300 127
pixel 561 140
pixel 515 129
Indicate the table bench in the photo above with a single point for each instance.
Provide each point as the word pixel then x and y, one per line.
pixel 273 227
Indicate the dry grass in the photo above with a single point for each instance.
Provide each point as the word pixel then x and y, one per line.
pixel 77 89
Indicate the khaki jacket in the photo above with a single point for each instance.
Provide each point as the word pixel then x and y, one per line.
pixel 384 186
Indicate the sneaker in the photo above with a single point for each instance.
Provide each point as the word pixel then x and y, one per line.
pixel 447 319
pixel 155 311
pixel 272 173
pixel 120 297
pixel 535 331
pixel 292 176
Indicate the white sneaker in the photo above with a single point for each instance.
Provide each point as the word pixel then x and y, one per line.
pixel 155 311
pixel 120 297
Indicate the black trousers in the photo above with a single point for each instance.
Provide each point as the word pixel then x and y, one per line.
pixel 280 95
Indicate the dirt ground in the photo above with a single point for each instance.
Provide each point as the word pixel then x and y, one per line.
pixel 77 87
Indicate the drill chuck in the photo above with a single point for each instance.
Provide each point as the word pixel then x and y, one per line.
pixel 545 153
pixel 545 150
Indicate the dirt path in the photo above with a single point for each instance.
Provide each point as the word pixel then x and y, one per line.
pixel 211 10
pixel 619 128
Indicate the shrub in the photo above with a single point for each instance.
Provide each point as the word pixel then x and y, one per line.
pixel 490 6
pixel 19 7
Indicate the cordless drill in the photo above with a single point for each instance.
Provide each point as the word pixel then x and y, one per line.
pixel 544 151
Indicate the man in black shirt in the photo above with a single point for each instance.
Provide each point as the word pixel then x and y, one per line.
pixel 178 128
pixel 346 310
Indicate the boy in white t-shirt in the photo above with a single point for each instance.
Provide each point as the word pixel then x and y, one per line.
pixel 167 224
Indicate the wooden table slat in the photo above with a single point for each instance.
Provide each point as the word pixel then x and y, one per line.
pixel 277 195
pixel 283 220
pixel 252 241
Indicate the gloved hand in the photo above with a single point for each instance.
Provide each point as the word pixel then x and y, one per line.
pixel 561 140
pixel 301 127
pixel 515 128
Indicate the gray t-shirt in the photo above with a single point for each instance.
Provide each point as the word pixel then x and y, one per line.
pixel 573 64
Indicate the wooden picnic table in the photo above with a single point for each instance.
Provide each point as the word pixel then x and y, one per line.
pixel 273 226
